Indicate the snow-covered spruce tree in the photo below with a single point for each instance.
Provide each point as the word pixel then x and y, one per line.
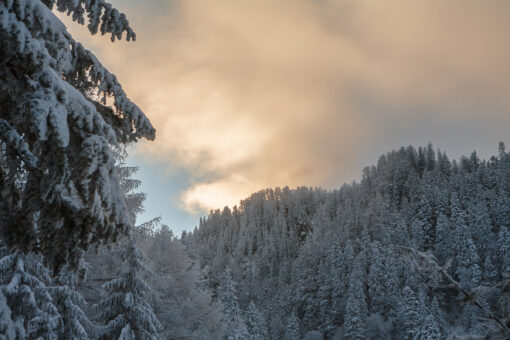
pixel 355 318
pixel 181 301
pixel 504 252
pixel 23 282
pixel 59 190
pixel 69 303
pixel 382 281
pixel 430 330
pixel 125 310
pixel 236 326
pixel 292 328
pixel 7 329
pixel 255 323
pixel 409 314
pixel 41 307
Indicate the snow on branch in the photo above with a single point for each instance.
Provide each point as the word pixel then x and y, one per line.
pixel 428 264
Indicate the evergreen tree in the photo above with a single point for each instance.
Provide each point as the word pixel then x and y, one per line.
pixel 69 303
pixel 438 315
pixel 424 225
pixel 468 262
pixel 480 226
pixel 7 327
pixel 430 330
pixel 504 252
pixel 356 309
pixel 292 331
pixel 445 245
pixel 382 280
pixel 255 323
pixel 236 326
pixel 24 283
pixel 59 193
pixel 409 314
pixel 125 310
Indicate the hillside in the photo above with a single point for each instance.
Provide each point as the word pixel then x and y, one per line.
pixel 366 261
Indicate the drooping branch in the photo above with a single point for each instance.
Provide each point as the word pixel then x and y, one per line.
pixel 429 264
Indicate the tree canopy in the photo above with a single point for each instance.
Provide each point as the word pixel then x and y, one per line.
pixel 58 185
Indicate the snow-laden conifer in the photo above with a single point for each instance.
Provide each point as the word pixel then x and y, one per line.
pixel 59 191
pixel 292 329
pixel 24 283
pixel 430 330
pixel 355 319
pixel 255 323
pixel 409 314
pixel 124 310
pixel 69 303
pixel 7 327
pixel 235 323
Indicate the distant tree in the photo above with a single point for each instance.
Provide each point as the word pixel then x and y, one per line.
pixel 445 246
pixel 292 329
pixel 504 252
pixel 313 335
pixel 356 309
pixel 424 231
pixel 255 323
pixel 409 314
pixel 236 326
pixel 430 330
pixel 124 309
pixel 382 280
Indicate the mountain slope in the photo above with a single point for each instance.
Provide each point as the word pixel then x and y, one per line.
pixel 350 262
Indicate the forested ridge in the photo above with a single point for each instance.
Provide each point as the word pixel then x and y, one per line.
pixel 419 249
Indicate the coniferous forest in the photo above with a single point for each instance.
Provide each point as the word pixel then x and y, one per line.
pixel 419 249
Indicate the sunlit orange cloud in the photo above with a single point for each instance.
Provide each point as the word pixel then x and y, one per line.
pixel 252 94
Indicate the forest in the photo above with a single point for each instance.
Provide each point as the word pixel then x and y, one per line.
pixel 418 249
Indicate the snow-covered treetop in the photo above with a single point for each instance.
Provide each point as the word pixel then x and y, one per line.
pixel 59 189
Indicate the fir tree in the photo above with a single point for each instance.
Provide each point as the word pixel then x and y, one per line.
pixel 7 327
pixel 504 252
pixel 409 314
pixel 236 326
pixel 59 193
pixel 292 331
pixel 69 303
pixel 255 323
pixel 125 310
pixel 430 330
pixel 24 283
pixel 445 246
pixel 356 309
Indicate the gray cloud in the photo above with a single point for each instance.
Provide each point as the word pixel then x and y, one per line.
pixel 250 94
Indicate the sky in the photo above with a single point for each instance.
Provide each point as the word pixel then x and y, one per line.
pixel 246 95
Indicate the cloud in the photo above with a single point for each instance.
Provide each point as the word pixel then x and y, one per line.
pixel 251 94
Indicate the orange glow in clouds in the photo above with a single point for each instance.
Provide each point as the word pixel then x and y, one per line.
pixel 251 94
